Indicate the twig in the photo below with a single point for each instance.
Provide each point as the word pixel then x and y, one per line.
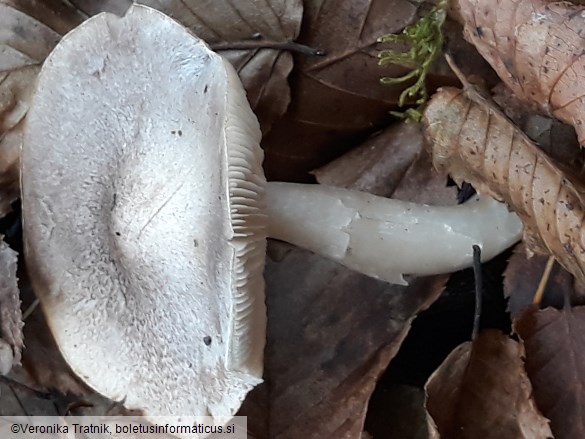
pixel 543 281
pixel 458 73
pixel 30 309
pixel 478 290
pixel 258 43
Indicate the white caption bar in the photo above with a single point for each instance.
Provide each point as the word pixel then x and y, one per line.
pixel 122 427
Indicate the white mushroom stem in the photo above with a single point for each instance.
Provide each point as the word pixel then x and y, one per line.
pixel 387 238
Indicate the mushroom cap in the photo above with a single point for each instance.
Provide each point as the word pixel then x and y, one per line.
pixel 143 210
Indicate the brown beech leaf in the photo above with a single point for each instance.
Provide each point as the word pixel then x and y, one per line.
pixel 523 275
pixel 536 47
pixel 21 396
pixel 331 333
pixel 10 315
pixel 397 410
pixel 423 184
pixel 392 163
pixel 338 98
pixel 555 362
pixel 31 29
pixel 472 141
pixel 481 391
pixel 379 164
pixel 93 7
pixel 16 401
pixel 226 23
pixel 554 137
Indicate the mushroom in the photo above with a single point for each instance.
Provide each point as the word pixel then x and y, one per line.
pixel 143 214
pixel 145 220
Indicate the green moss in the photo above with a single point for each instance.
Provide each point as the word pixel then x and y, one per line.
pixel 425 41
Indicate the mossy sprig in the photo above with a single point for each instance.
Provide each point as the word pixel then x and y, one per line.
pixel 425 41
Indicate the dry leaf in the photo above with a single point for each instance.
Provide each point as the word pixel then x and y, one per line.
pixel 535 46
pixel 555 362
pixel 31 29
pixel 396 410
pixel 555 138
pixel 21 397
pixel 93 7
pixel 466 56
pixel 379 164
pixel 474 142
pixel 523 275
pixel 349 30
pixel 392 163
pixel 481 391
pixel 345 327
pixel 338 98
pixel 20 401
pixel 10 314
pixel 423 184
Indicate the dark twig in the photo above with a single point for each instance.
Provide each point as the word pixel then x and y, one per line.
pixel 478 290
pixel 256 42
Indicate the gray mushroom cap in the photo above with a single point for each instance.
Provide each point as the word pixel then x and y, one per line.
pixel 143 204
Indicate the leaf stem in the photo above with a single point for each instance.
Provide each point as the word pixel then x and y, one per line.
pixel 478 290
pixel 543 281
pixel 259 43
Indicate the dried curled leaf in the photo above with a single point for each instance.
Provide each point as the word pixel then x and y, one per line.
pixel 379 164
pixel 481 391
pixel 472 141
pixel 555 363
pixel 536 47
